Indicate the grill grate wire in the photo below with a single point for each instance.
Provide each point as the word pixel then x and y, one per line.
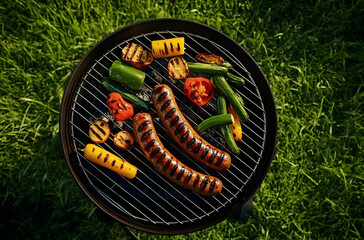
pixel 149 196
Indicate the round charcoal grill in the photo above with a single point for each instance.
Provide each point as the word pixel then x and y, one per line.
pixel 149 202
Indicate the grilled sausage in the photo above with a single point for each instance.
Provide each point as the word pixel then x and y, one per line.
pixel 183 133
pixel 167 164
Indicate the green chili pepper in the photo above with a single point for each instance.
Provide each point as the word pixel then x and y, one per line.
pixel 217 120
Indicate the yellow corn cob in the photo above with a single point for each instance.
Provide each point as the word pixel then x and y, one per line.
pixel 106 159
pixel 168 47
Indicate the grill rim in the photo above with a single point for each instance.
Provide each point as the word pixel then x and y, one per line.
pixel 210 34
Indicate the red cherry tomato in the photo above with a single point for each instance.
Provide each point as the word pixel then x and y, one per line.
pixel 199 90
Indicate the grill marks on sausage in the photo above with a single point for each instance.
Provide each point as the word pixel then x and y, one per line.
pixel 197 148
pixel 161 157
pixel 174 169
pixel 197 178
pixel 146 135
pixel 207 149
pixel 180 174
pixel 143 125
pixel 149 145
pixel 155 152
pixel 162 96
pixel 174 121
pixel 212 185
pixel 204 183
pixel 192 141
pixel 179 128
pixel 166 104
pixel 165 167
pixel 213 155
pixel 170 113
pixel 221 158
pixel 157 90
pixel 188 178
pixel 185 135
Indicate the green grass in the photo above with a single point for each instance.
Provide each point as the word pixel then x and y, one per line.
pixel 312 53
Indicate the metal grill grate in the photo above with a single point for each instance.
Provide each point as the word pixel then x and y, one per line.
pixel 149 197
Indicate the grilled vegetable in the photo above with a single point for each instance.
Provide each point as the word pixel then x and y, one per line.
pixel 225 129
pixel 209 58
pixel 132 53
pixel 237 103
pixel 206 68
pixel 113 86
pixel 123 140
pixel 233 79
pixel 145 60
pixel 236 126
pixel 178 68
pixel 120 109
pixel 106 159
pixel 199 90
pixel 240 99
pixel 126 75
pixel 99 131
pixel 168 47
pixel 227 65
pixel 218 120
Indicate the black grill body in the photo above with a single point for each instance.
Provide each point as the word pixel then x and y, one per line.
pixel 149 202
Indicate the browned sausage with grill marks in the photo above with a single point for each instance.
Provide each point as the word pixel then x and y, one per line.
pixel 167 164
pixel 183 133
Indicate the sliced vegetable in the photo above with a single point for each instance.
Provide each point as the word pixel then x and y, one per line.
pixel 233 79
pixel 120 109
pixel 99 131
pixel 206 68
pixel 218 120
pixel 199 90
pixel 236 126
pixel 209 58
pixel 225 129
pixel 178 68
pixel 106 159
pixel 132 53
pixel 113 86
pixel 168 47
pixel 126 75
pixel 145 60
pixel 123 140
pixel 237 103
